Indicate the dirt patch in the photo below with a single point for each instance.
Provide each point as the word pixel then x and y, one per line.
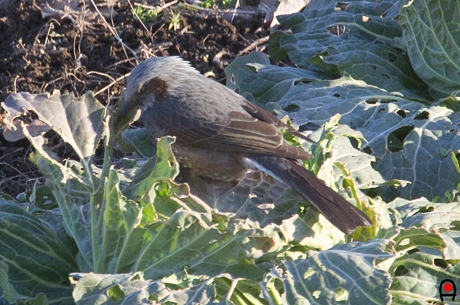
pixel 77 55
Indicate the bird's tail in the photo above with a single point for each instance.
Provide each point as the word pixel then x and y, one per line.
pixel 334 207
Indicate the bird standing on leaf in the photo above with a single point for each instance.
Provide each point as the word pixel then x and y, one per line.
pixel 220 135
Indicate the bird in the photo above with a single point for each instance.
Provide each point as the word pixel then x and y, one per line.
pixel 220 135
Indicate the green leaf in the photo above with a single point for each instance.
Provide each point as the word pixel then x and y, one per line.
pixel 160 167
pixel 417 276
pixel 425 157
pixel 28 249
pixel 120 237
pixel 353 38
pixel 78 121
pixel 437 217
pixel 345 274
pixel 274 50
pixel 134 289
pixel 73 197
pixel 236 74
pixel 431 36
pixel 187 243
pixel 271 83
pixel 137 140
pixel 115 289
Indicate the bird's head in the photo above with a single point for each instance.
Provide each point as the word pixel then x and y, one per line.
pixel 149 83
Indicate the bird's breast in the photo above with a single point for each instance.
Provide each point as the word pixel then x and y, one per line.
pixel 210 163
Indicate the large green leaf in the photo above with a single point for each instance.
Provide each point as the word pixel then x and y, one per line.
pixel 73 198
pixel 430 216
pixel 419 269
pixel 135 289
pixel 79 121
pixel 431 36
pixel 272 82
pixel 186 243
pixel 116 289
pixel 137 140
pixel 402 134
pixel 345 274
pixel 33 260
pixel 352 38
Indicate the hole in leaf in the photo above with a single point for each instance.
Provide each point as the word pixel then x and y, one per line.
pixel 336 95
pixel 115 294
pixel 395 141
pixel 412 251
pixel 341 6
pixel 337 29
pixel 309 126
pixel 366 18
pixel 392 57
pixel 341 295
pixel 373 67
pixel 424 115
pixel 426 209
pixel 301 81
pixel 401 270
pixel 136 277
pixel 279 286
pixel 291 108
pixel 455 225
pixel 233 79
pixel 354 143
pixel 401 113
pixel 368 150
pixel 440 263
pixel 372 101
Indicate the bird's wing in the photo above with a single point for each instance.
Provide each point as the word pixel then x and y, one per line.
pixel 252 130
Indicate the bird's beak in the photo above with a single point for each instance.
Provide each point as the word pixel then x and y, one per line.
pixel 125 113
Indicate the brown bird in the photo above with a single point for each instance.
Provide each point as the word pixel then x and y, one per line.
pixel 220 135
